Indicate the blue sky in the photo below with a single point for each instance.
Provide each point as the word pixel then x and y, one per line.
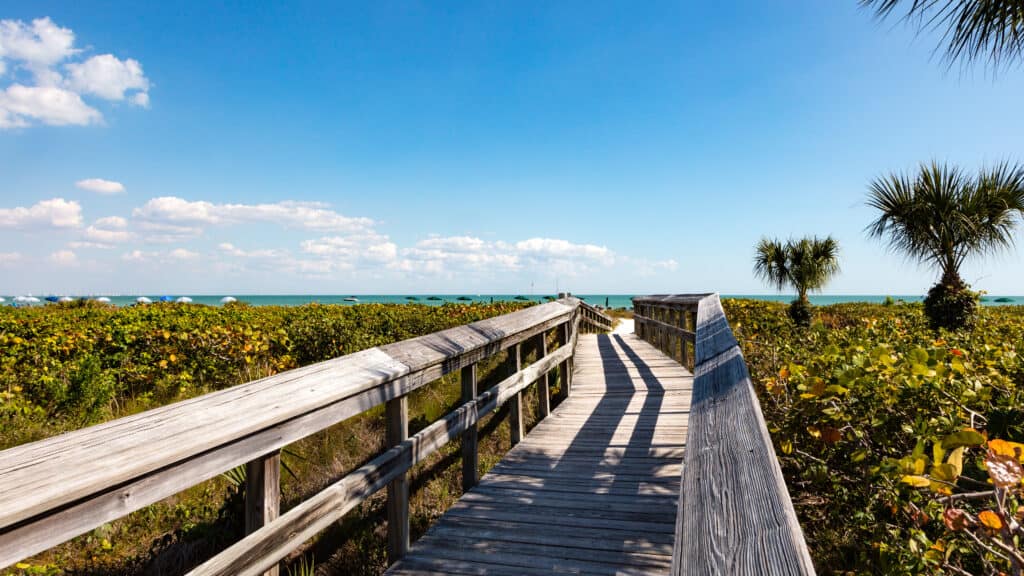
pixel 428 147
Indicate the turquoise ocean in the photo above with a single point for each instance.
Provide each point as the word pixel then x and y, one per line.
pixel 611 300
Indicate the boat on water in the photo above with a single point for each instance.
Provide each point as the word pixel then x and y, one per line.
pixel 434 298
pixel 351 299
pixel 1003 300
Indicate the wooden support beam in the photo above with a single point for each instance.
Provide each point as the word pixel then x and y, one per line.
pixel 470 473
pixel 263 494
pixel 515 412
pixel 544 384
pixel 398 489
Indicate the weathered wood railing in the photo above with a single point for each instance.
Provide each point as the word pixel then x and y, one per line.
pixel 735 515
pixel 58 488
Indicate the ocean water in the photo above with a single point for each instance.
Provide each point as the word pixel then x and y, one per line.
pixel 612 300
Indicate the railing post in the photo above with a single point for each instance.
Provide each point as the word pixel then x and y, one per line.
pixel 397 412
pixel 544 384
pixel 263 494
pixel 515 413
pixel 563 368
pixel 469 438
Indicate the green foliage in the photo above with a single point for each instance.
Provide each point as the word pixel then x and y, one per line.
pixel 942 217
pixel 849 399
pixel 973 28
pixel 806 264
pixel 69 365
pixel 951 307
pixel 800 312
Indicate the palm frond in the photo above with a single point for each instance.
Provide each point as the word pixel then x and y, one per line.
pixel 771 263
pixel 973 29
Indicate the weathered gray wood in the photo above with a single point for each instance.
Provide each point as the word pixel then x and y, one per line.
pixel 735 514
pixel 268 545
pixel 398 489
pixel 515 410
pixel 543 385
pixel 592 489
pixel 470 466
pixel 57 488
pixel 263 495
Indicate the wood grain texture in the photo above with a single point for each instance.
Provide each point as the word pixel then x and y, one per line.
pixel 735 514
pixel 263 495
pixel 58 488
pixel 592 489
pixel 397 413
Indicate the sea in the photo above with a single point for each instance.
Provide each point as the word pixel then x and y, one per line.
pixel 605 300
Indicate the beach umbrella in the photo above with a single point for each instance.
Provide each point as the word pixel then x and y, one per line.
pixel 228 300
pixel 143 300
pixel 103 299
pixel 166 299
pixel 52 299
pixel 33 300
pixel 21 300
pixel 65 299
pixel 2 300
pixel 184 300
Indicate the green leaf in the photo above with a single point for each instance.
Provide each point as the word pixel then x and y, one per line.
pixel 967 437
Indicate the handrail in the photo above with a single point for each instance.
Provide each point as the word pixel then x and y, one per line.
pixel 596 320
pixel 735 515
pixel 58 488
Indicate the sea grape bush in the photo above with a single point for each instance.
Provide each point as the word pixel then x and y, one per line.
pixel 65 366
pixel 880 424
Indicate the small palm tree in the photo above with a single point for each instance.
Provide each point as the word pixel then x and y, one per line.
pixel 942 217
pixel 974 28
pixel 806 265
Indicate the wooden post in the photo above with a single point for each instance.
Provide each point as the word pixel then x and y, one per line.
pixel 470 475
pixel 544 384
pixel 263 494
pixel 397 412
pixel 515 413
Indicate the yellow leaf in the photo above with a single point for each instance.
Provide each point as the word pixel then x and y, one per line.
pixel 991 520
pixel 956 460
pixel 166 334
pixel 916 481
pixel 814 431
pixel 1005 471
pixel 786 446
pixel 784 373
pixel 173 358
pixel 1013 450
pixel 163 363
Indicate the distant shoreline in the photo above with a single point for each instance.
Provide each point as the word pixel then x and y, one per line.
pixel 612 300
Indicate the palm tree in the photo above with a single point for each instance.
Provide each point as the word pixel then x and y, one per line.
pixel 973 28
pixel 806 265
pixel 942 217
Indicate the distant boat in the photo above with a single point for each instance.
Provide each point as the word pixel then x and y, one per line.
pixel 1004 299
pixel 464 298
pixel 520 298
pixel 52 299
pixel 351 299
pixel 184 300
pixel 103 299
pixel 143 300
pixel 434 298
pixel 228 300
pixel 411 298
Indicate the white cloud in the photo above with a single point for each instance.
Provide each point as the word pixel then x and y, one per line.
pixel 34 57
pixel 37 46
pixel 446 254
pixel 64 258
pixel 266 254
pixel 108 77
pixel 55 213
pixel 9 258
pixel 106 231
pixel 100 186
pixel 47 104
pixel 182 254
pixel 308 215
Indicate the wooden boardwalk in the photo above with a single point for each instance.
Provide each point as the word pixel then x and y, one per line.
pixel 592 489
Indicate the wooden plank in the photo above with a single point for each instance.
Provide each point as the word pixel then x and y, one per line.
pixel 592 489
pixel 263 495
pixel 397 413
pixel 470 466
pixel 515 412
pixel 735 514
pixel 266 546
pixel 543 385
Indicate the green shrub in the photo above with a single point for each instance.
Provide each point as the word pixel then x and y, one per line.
pixel 800 312
pixel 951 307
